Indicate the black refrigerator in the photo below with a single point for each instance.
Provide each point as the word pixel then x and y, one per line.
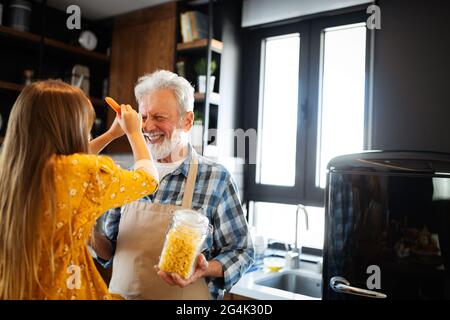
pixel 387 226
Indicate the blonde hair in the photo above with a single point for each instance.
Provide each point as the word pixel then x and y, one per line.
pixel 48 118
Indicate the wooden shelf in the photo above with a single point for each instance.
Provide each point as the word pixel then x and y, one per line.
pixel 214 98
pixel 53 43
pixel 18 87
pixel 216 45
pixel 20 34
pixel 11 86
pixel 76 50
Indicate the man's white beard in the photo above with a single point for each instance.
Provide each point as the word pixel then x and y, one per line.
pixel 164 149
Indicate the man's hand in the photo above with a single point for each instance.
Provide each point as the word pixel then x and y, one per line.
pixel 175 280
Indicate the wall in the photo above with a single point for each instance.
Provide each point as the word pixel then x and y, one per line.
pixel 142 42
pixel 256 12
pixel 411 102
pixel 230 89
pixel 229 16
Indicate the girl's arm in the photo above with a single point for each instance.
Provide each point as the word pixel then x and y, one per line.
pixel 99 143
pixel 131 123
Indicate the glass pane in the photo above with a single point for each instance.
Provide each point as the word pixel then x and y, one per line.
pixel 278 111
pixel 341 116
pixel 276 221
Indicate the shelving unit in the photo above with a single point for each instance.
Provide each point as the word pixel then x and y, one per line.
pixel 10 86
pixel 6 31
pixel 202 44
pixel 19 34
pixel 76 50
pixel 18 87
pixel 210 48
pixel 47 51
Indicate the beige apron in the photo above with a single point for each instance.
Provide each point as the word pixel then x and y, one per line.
pixel 141 237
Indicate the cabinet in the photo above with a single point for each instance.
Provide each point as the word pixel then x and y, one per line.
pixel 219 107
pixel 50 50
pixel 233 296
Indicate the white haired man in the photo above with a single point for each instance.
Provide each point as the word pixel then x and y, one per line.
pixel 134 234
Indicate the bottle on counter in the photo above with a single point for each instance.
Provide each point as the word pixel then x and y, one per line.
pixel 260 248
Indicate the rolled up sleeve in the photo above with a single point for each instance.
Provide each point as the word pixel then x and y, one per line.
pixel 232 240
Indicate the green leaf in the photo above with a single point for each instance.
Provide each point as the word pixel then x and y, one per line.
pixel 201 67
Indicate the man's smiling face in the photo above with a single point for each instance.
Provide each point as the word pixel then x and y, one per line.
pixel 160 116
pixel 163 126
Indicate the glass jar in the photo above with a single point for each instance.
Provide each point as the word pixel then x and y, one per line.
pixel 20 15
pixel 184 242
pixel 1 13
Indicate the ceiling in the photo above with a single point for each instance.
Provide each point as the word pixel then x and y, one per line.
pixel 100 9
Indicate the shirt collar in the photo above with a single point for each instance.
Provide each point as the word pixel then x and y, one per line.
pixel 184 167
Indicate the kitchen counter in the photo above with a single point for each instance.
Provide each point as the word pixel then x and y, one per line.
pixel 248 285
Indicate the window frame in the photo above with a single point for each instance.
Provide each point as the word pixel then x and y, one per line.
pixel 311 39
pixel 313 193
pixel 272 193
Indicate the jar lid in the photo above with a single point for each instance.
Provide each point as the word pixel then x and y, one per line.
pixel 22 3
pixel 192 218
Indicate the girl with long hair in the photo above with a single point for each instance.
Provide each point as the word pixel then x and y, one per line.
pixel 52 191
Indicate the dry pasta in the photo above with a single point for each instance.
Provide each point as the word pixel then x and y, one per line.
pixel 180 251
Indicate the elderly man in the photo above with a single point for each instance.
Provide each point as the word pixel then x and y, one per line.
pixel 133 235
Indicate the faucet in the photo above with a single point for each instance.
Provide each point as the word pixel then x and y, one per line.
pixel 303 208
pixel 293 256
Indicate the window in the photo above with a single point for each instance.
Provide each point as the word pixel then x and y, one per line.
pixel 310 102
pixel 306 82
pixel 278 104
pixel 341 95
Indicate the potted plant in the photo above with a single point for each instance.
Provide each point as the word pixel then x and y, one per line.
pixel 196 133
pixel 198 117
pixel 200 69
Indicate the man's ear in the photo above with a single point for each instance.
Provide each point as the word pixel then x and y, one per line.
pixel 188 121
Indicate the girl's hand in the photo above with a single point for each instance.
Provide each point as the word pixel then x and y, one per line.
pixel 116 130
pixel 130 120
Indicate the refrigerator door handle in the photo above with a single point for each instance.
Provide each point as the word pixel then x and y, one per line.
pixel 341 285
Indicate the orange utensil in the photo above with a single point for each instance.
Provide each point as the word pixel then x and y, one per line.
pixel 113 104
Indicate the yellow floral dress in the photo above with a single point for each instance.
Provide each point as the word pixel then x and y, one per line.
pixel 86 186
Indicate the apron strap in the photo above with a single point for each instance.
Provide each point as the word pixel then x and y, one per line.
pixel 190 183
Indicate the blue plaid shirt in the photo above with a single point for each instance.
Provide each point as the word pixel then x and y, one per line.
pixel 216 195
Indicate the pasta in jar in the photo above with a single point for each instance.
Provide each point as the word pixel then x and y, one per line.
pixel 183 243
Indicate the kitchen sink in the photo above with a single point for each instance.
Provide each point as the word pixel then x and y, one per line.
pixel 295 282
